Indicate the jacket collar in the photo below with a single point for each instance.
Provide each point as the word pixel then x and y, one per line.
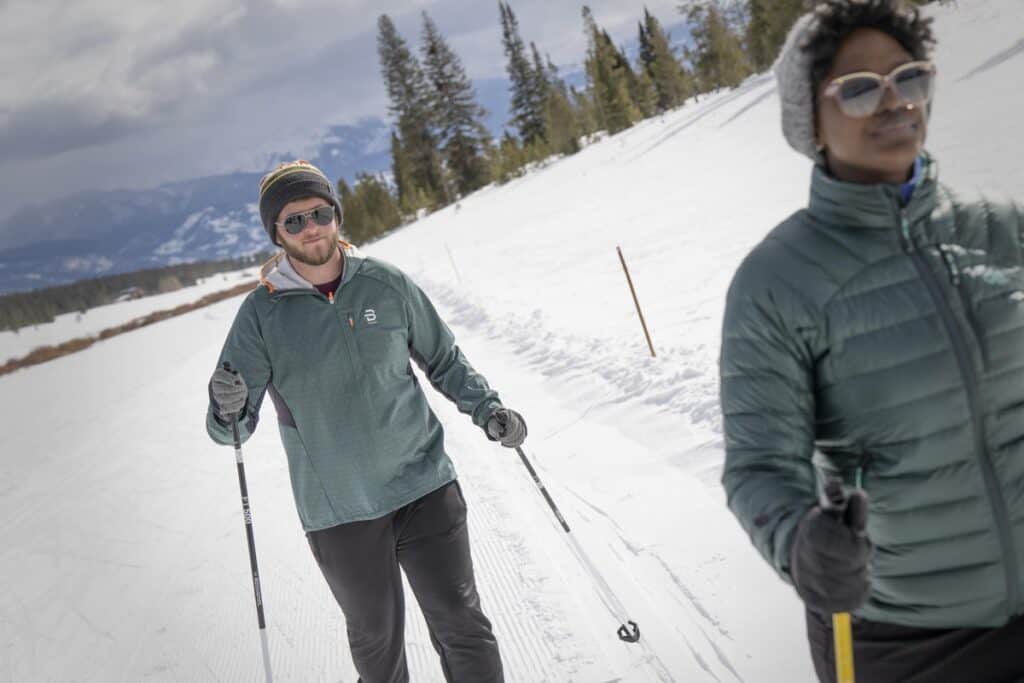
pixel 877 206
pixel 279 275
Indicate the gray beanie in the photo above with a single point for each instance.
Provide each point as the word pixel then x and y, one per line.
pixel 291 181
pixel 793 73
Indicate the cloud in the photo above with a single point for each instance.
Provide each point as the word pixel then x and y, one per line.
pixel 152 92
pixel 46 128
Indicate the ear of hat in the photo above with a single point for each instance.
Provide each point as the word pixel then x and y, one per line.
pixel 289 182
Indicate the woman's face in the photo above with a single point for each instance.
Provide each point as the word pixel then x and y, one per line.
pixel 881 147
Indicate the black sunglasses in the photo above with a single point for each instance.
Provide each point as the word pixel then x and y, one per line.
pixel 321 215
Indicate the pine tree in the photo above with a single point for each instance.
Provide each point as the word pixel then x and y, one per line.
pixel 646 54
pixel 370 209
pixel 717 56
pixel 587 117
pixel 607 79
pixel 411 108
pixel 411 197
pixel 560 117
pixel 507 159
pixel 352 228
pixel 767 27
pixel 672 82
pixel 458 118
pixel 645 95
pixel 526 106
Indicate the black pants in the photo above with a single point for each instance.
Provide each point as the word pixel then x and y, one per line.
pixel 887 653
pixel 429 540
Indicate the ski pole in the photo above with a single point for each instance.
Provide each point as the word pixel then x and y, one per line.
pixel 628 631
pixel 247 515
pixel 842 633
pixel 844 647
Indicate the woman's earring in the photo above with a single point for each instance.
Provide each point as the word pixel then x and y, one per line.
pixel 819 146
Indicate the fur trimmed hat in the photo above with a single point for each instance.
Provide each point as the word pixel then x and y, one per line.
pixel 291 181
pixel 796 92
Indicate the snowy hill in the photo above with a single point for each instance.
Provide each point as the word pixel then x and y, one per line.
pixel 121 540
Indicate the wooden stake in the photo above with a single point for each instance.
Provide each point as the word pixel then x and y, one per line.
pixel 452 259
pixel 636 301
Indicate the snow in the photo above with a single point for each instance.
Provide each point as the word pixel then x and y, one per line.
pixel 95 320
pixel 121 540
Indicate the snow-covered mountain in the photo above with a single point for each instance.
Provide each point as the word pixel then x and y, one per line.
pixel 99 233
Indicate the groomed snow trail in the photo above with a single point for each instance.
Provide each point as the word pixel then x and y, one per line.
pixel 120 524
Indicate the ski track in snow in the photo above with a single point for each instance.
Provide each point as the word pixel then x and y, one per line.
pixel 678 381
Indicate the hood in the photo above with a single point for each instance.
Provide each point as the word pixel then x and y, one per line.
pixel 279 275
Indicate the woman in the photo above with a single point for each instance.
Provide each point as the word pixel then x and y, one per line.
pixel 877 338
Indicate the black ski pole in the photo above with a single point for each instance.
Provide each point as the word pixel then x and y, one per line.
pixel 247 514
pixel 628 630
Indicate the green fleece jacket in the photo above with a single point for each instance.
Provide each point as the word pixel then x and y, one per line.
pixel 360 438
pixel 884 344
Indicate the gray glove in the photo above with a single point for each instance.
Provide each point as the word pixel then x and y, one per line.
pixel 228 394
pixel 507 427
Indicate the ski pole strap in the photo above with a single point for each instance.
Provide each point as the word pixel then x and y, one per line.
pixel 843 647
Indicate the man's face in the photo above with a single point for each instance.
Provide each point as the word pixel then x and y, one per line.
pixel 315 244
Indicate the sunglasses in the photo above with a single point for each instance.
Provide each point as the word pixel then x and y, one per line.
pixel 861 94
pixel 321 215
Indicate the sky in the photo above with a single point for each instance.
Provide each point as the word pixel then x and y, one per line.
pixel 104 94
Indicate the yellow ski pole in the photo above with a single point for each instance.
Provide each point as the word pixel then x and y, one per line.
pixel 841 630
pixel 843 647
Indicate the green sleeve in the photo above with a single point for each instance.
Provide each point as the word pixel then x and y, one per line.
pixel 245 350
pixel 767 404
pixel 433 347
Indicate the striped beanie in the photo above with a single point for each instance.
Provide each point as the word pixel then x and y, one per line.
pixel 289 182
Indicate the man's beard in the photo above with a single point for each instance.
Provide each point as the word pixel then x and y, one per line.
pixel 315 254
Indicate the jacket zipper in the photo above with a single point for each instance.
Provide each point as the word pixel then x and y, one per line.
pixel 971 384
pixel 953 268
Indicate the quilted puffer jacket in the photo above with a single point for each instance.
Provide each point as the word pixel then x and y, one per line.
pixel 883 344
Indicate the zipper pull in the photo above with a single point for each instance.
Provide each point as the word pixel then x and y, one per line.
pixel 351 323
pixel 330 297
pixel 908 243
pixel 951 265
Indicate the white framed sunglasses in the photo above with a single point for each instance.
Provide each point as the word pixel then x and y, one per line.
pixel 860 95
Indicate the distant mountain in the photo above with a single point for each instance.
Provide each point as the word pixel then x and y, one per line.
pixel 98 233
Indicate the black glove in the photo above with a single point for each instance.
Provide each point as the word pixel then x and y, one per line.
pixel 830 555
pixel 507 427
pixel 228 394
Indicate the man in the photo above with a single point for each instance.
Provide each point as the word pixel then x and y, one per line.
pixel 329 334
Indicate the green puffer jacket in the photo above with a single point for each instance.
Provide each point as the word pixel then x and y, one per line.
pixel 360 438
pixel 885 345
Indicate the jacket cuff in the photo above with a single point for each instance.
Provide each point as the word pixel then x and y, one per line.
pixel 483 413
pixel 227 423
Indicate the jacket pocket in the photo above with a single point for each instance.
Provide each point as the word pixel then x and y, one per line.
pixel 383 348
pixel 311 500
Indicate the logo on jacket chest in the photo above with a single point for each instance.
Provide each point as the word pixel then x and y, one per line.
pixel 370 316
